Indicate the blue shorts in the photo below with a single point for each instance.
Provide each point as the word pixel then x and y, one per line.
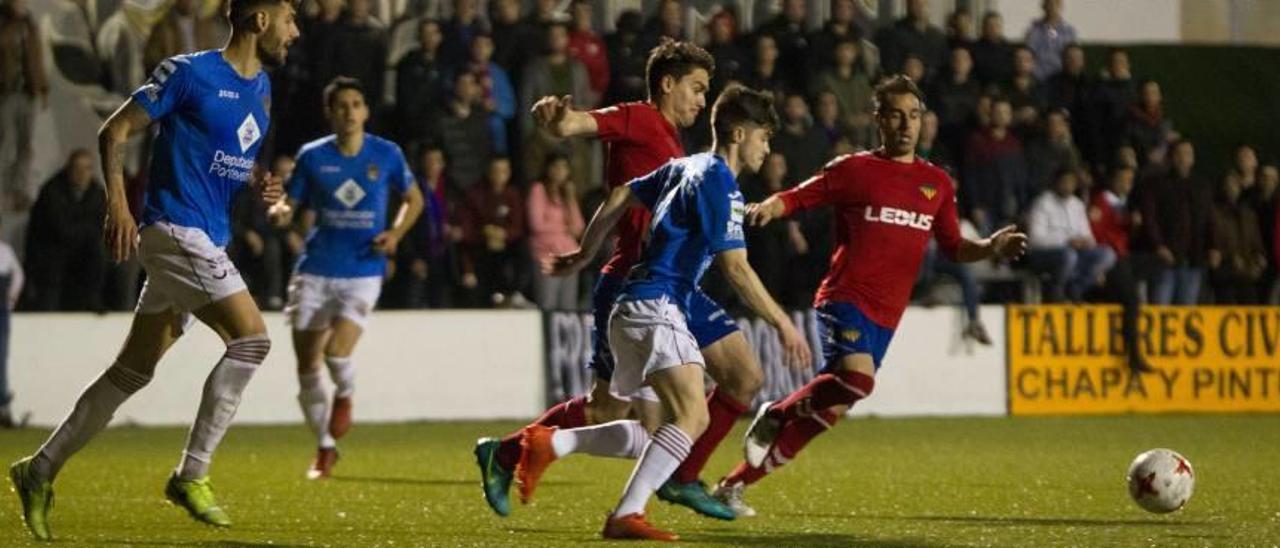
pixel 846 330
pixel 707 321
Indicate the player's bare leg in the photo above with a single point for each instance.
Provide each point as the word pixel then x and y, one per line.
pixel 738 377
pixel 237 320
pixel 337 357
pixel 150 336
pixel 681 391
pixel 308 349
pixel 785 427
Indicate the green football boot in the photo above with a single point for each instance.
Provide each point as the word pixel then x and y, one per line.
pixel 495 479
pixel 196 497
pixel 694 496
pixel 36 497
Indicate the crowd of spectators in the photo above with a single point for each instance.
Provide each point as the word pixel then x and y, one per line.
pixel 1090 165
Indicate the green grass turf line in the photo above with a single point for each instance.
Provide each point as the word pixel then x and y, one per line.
pixel 869 482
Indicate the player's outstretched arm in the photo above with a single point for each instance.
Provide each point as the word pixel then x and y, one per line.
pixel 1005 244
pixel 120 229
pixel 600 227
pixel 767 211
pixel 733 263
pixel 556 116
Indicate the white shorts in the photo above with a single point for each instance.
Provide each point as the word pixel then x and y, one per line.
pixel 185 270
pixel 646 337
pixel 316 301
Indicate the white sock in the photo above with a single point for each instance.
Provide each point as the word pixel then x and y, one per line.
pixel 343 374
pixel 92 412
pixel 623 439
pixel 218 404
pixel 666 449
pixel 315 406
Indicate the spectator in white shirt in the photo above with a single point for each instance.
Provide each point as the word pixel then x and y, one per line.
pixel 1062 244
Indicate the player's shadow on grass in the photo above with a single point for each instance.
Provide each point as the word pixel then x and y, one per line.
pixel 202 543
pixel 1018 521
pixel 798 539
pixel 401 481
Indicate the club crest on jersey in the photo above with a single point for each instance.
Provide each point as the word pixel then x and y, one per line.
pixel 372 172
pixel 900 217
pixel 349 193
pixel 248 133
pixel 850 335
pixel 929 191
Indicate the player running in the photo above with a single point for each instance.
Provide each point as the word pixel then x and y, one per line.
pixel 345 179
pixel 697 216
pixel 212 109
pixel 641 137
pixel 888 204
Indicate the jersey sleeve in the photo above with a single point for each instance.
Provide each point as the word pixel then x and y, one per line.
pixel 296 186
pixel 166 89
pixel 401 177
pixel 720 209
pixel 612 123
pixel 814 192
pixel 946 227
pixel 647 188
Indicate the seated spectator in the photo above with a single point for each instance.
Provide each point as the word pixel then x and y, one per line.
pixel 1177 229
pixel 805 145
pixel 1236 269
pixel 588 48
pixel 363 50
pixel 427 258
pixel 667 23
pixel 1026 93
pixel 915 69
pixel 497 97
pixel 1112 220
pixel 1047 37
pixel 766 75
pixel 994 176
pixel 789 29
pixel 555 224
pixel 512 35
pixel 842 24
pixel 959 29
pixel 1061 244
pixel 1069 90
pixel 463 132
pixel 494 228
pixel 66 259
pixel 1264 199
pixel 11 278
pixel 851 86
pixel 954 97
pixel 1051 151
pixel 181 31
pixel 992 53
pixel 1244 164
pixel 826 117
pixel 556 74
pixel 930 147
pixel 1149 130
pixel 731 59
pixel 627 58
pixel 458 32
pixel 936 265
pixel 1113 95
pixel 421 88
pixel 912 35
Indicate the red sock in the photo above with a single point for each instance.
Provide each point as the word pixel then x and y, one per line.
pixel 724 410
pixel 825 390
pixel 566 414
pixel 793 437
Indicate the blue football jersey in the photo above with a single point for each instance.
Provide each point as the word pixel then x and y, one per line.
pixel 211 124
pixel 697 213
pixel 349 195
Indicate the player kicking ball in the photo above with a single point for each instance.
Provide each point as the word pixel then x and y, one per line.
pixel 344 182
pixel 697 217
pixel 888 203
pixel 212 108
pixel 640 137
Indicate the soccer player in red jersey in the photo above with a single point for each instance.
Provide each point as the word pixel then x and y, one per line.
pixel 640 137
pixel 888 204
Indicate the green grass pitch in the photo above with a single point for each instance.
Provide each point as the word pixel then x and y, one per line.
pixel 870 482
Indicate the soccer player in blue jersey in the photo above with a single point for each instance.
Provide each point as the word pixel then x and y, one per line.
pixel 212 111
pixel 345 180
pixel 697 217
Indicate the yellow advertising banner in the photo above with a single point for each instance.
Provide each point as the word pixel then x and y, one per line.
pixel 1071 360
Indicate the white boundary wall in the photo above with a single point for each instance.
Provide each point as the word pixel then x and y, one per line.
pixel 458 365
pixel 412 366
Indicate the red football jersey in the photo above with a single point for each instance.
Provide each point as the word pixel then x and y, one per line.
pixel 885 213
pixel 638 140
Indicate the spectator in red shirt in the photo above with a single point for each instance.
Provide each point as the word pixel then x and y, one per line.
pixel 1112 220
pixel 494 231
pixel 588 48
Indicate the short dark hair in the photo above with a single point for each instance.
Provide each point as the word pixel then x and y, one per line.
pixel 740 105
pixel 338 84
pixel 674 59
pixel 238 11
pixel 899 84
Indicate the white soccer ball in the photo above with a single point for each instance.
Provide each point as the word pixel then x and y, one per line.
pixel 1161 481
